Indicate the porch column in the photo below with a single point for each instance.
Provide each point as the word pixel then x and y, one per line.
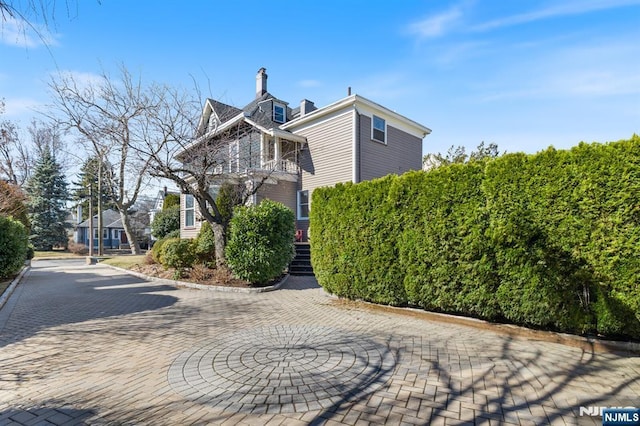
pixel 263 150
pixel 277 153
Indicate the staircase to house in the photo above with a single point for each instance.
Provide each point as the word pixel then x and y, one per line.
pixel 301 264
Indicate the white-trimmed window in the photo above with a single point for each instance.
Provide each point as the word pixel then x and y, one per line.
pixel 105 233
pixel 379 129
pixel 189 211
pixel 303 204
pixel 279 113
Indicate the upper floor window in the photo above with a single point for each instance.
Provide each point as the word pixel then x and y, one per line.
pixel 379 130
pixel 279 113
pixel 189 211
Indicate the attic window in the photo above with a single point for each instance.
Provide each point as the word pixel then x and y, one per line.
pixel 278 113
pixel 379 130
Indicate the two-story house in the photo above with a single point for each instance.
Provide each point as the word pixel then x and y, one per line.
pixel 296 150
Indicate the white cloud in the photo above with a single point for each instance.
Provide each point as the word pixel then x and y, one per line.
pixel 19 33
pixel 309 83
pixel 20 107
pixel 82 79
pixel 436 25
pixel 566 8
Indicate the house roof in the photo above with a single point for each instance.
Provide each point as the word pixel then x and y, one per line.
pixel 223 111
pixel 110 219
pixel 259 114
pixel 360 102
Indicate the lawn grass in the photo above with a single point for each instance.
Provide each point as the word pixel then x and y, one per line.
pixel 55 254
pixel 125 262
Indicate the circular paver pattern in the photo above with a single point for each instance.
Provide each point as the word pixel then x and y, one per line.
pixel 282 369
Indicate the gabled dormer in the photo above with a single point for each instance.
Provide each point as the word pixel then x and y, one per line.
pixel 213 115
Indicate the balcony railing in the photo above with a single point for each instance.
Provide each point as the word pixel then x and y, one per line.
pixel 286 166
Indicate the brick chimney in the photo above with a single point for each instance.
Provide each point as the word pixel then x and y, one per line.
pixel 261 82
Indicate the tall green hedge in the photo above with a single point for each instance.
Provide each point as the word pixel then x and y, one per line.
pixel 14 243
pixel 550 240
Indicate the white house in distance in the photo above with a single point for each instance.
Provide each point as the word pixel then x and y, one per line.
pixel 305 147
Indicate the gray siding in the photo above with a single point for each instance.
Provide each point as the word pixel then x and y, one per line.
pixel 328 158
pixel 403 152
pixel 283 192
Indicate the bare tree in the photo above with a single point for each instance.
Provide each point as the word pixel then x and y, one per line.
pixel 154 130
pixel 48 136
pixel 200 157
pixel 15 157
pixel 111 117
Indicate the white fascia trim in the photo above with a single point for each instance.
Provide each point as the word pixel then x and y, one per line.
pixel 358 100
pixel 275 132
pixel 354 145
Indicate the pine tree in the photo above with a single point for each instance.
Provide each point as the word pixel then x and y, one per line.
pixel 47 196
pixel 87 178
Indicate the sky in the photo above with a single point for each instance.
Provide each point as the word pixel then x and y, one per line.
pixel 522 74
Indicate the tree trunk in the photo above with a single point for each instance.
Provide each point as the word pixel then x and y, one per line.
pixel 220 242
pixel 131 236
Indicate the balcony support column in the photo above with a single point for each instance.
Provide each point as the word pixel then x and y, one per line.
pixel 263 150
pixel 277 154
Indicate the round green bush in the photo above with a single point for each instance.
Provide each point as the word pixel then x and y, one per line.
pixel 178 253
pixel 260 243
pixel 156 250
pixel 14 243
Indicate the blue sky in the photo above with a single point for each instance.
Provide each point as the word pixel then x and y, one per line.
pixel 523 74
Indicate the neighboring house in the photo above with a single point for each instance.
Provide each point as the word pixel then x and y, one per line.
pixel 158 204
pixel 113 234
pixel 302 148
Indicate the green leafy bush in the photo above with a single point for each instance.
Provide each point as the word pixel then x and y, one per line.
pixel 549 240
pixel 204 246
pixel 14 243
pixel 178 253
pixel 260 243
pixel 166 221
pixel 156 250
pixel 171 201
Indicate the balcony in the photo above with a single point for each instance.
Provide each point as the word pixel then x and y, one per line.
pixel 281 165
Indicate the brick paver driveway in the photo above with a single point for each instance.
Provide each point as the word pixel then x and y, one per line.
pixel 90 345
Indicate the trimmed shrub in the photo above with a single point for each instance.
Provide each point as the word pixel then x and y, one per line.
pixel 14 243
pixel 204 246
pixel 549 240
pixel 166 221
pixel 260 243
pixel 178 253
pixel 156 250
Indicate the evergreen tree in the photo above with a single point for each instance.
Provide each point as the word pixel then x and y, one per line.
pixel 47 196
pixel 87 178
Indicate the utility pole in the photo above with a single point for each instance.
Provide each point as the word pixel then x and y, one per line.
pixel 100 224
pixel 91 219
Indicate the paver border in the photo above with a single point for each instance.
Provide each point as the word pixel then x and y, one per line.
pixel 218 288
pixel 9 290
pixel 589 344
